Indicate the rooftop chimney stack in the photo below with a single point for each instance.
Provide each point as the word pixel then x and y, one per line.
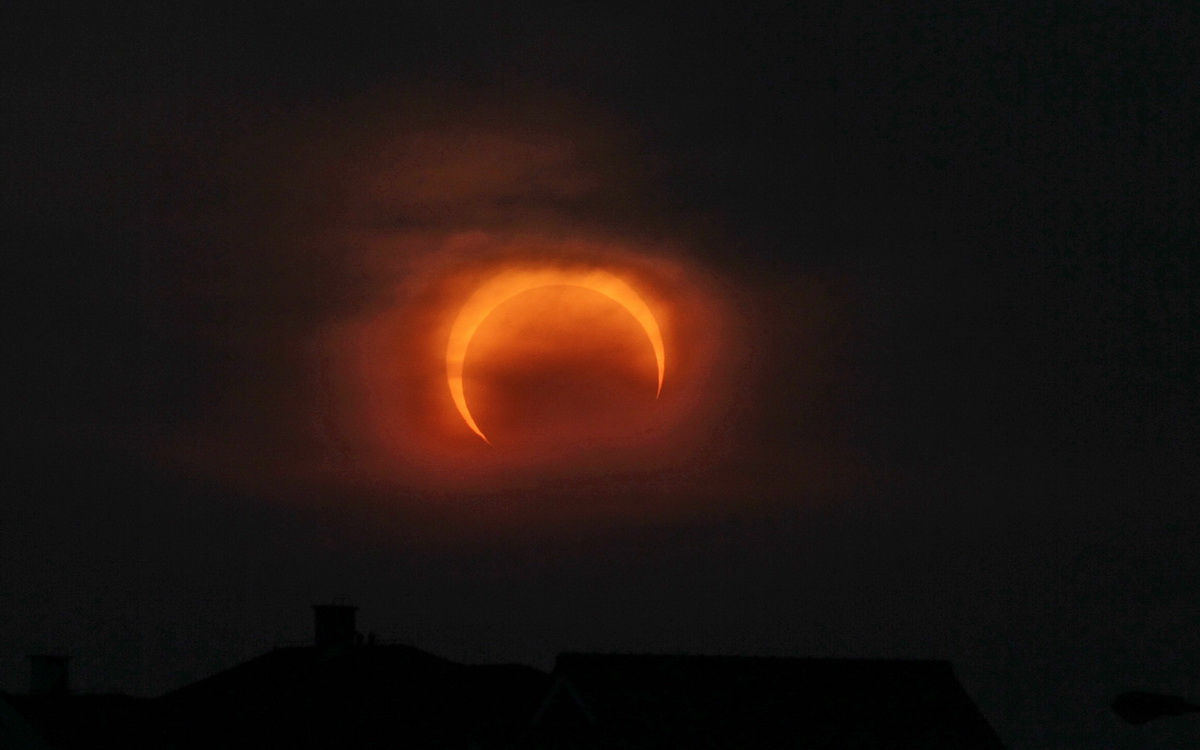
pixel 334 624
pixel 48 675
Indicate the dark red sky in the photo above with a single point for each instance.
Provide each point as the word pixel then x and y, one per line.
pixel 929 279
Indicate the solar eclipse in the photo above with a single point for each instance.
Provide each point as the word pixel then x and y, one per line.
pixel 513 282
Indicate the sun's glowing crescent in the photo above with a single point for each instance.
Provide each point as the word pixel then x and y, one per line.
pixel 507 285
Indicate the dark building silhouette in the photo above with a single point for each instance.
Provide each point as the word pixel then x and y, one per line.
pixel 16 733
pixel 66 722
pixel 50 716
pixel 665 701
pixel 342 692
pixel 353 696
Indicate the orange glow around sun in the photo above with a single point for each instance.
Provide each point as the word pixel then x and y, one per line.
pixel 577 360
pixel 501 323
pixel 511 283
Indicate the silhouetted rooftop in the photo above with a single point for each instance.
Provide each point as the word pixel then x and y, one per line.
pixel 351 696
pixel 714 701
pixel 70 721
pixel 365 696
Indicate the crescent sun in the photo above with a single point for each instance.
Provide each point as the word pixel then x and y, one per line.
pixel 507 285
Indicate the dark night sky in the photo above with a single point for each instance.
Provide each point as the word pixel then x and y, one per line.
pixel 962 241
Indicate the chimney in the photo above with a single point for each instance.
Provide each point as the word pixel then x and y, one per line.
pixel 48 674
pixel 334 624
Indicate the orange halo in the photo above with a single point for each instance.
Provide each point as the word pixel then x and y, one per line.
pixel 507 285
